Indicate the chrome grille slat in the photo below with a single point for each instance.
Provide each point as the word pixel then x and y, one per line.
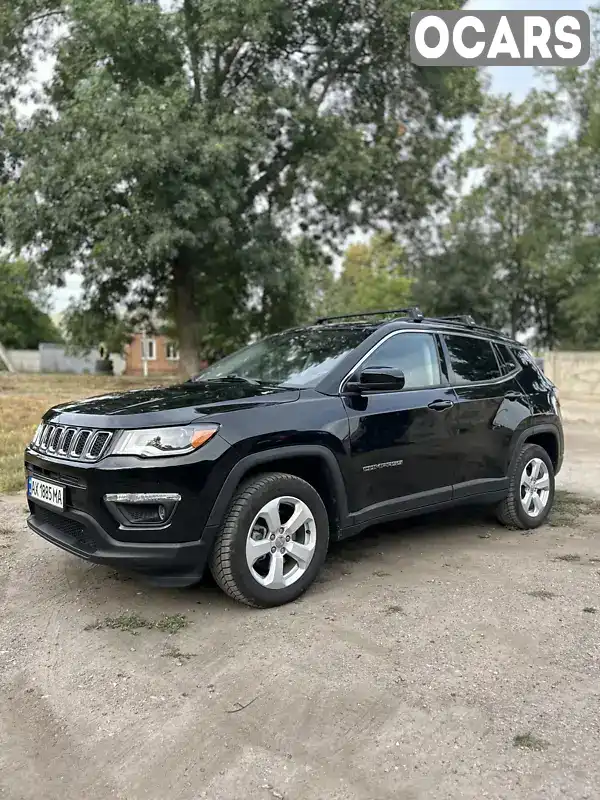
pixel 61 440
pixel 74 444
pixel 65 442
pixel 45 436
pixel 92 445
pixel 81 443
pixel 55 438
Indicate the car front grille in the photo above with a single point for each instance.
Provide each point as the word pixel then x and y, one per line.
pixel 75 444
pixel 57 477
pixel 65 526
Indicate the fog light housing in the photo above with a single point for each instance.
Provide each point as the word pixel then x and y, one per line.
pixel 142 509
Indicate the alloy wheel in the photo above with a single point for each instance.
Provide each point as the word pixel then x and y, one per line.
pixel 281 542
pixel 535 487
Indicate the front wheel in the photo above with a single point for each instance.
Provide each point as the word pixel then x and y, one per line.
pixel 273 541
pixel 531 490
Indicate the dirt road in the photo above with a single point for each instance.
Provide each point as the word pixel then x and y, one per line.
pixel 449 658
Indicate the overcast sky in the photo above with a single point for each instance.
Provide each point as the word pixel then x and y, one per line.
pixel 514 80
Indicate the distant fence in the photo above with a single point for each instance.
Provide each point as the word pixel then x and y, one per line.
pixel 25 360
pixel 54 358
pixel 576 374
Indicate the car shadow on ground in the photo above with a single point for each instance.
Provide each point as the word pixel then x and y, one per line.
pixel 371 554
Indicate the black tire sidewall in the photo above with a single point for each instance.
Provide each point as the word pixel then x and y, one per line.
pixel 248 585
pixel 531 451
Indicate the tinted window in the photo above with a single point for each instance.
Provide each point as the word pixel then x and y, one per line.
pixel 472 360
pixel 507 362
pixel 414 353
pixel 295 358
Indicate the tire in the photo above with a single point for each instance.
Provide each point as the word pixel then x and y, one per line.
pixel 229 562
pixel 511 512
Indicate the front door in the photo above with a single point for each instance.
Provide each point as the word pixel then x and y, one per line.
pixel 401 442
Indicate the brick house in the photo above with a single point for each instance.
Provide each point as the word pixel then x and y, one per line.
pixel 162 355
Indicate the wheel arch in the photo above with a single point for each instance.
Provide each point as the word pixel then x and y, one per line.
pixel 546 436
pixel 315 464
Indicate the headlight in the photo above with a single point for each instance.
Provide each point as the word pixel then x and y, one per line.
pixel 155 442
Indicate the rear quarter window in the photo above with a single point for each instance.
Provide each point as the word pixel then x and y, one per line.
pixel 472 360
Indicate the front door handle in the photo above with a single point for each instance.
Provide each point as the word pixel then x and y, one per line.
pixel 512 396
pixel 441 405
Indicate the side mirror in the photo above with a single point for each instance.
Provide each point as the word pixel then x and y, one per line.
pixel 377 379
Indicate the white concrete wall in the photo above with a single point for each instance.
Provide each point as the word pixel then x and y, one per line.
pixel 53 358
pixel 25 360
pixel 576 374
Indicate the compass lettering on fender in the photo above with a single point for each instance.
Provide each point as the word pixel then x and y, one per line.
pixel 373 467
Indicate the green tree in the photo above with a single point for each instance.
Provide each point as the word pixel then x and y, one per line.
pixel 372 278
pixel 23 325
pixel 577 165
pixel 496 252
pixel 180 144
pixel 91 331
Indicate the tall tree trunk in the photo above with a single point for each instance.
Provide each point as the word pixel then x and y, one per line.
pixel 186 318
pixel 514 314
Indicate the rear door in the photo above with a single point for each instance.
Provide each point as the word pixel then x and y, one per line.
pixel 490 407
pixel 401 442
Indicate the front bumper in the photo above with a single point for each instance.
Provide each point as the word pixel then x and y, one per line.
pixel 174 554
pixel 165 563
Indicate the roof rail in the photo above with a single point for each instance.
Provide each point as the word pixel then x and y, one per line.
pixel 413 313
pixel 470 322
pixel 465 319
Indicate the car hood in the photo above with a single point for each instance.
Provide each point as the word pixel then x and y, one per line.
pixel 171 405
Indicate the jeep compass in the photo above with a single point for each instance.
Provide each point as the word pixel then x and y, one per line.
pixel 253 466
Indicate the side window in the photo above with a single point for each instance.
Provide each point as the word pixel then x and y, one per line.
pixel 149 349
pixel 473 360
pixel 415 354
pixel 507 362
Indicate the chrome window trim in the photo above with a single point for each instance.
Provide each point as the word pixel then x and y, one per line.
pixel 376 346
pixel 434 332
pixel 493 381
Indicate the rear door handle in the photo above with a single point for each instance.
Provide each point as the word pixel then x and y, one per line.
pixel 512 396
pixel 441 405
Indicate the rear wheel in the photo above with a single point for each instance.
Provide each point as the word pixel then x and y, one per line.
pixel 273 541
pixel 531 490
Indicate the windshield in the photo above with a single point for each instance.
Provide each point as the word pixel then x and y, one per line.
pixel 294 358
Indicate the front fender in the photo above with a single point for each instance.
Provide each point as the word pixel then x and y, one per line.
pixel 250 462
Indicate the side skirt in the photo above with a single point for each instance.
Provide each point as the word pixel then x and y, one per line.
pixel 483 498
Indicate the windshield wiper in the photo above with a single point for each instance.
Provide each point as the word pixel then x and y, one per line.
pixel 233 378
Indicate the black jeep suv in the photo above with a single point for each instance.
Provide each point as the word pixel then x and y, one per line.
pixel 310 435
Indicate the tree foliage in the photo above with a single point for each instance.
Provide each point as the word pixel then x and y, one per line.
pixel 519 243
pixel 23 325
pixel 91 331
pixel 372 278
pixel 178 146
pixel 493 255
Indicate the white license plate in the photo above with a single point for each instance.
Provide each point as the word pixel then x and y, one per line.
pixel 48 493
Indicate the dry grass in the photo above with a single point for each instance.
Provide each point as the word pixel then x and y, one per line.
pixel 23 400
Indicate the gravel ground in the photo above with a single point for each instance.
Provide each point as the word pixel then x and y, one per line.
pixel 448 658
